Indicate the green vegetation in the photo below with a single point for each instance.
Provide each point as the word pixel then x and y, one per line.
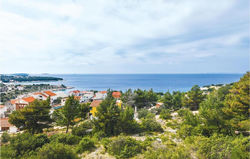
pixel 5 137
pixel 165 114
pixel 85 144
pixel 55 150
pixel 68 139
pixel 150 125
pixel 67 115
pixel 124 147
pixel 112 120
pixel 173 101
pixel 26 78
pixel 195 124
pixel 81 130
pixel 193 98
pixel 34 117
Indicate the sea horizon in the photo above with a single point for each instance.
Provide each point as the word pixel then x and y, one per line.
pixel 123 82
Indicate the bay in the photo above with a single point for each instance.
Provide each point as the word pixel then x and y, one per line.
pixel 158 82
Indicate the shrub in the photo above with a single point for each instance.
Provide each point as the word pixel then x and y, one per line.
pixel 68 139
pixel 156 111
pixel 165 114
pixel 220 147
pixel 85 144
pixel 144 113
pixel 6 152
pixel 177 152
pixel 81 130
pixel 151 125
pixel 124 147
pixel 56 150
pixel 189 130
pixel 105 142
pixel 26 143
pixel 99 135
pixel 5 137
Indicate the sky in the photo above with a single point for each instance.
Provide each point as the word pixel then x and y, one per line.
pixel 124 36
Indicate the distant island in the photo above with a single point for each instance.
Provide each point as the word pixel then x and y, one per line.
pixel 23 77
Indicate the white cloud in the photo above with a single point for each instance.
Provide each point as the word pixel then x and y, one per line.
pixel 87 36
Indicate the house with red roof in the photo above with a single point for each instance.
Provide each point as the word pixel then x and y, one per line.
pixel 75 93
pixel 28 100
pixel 117 95
pixel 49 93
pixel 77 98
pixel 40 96
pixel 100 95
pixel 20 103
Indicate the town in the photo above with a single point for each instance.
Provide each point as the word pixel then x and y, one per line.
pixel 57 101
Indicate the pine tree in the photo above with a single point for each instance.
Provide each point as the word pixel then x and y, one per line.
pixel 193 98
pixel 237 102
pixel 33 118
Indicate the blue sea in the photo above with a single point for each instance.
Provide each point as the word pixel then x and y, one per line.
pixel 158 82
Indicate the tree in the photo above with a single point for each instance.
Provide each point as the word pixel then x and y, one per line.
pixel 67 114
pixel 168 100
pixel 127 123
pixel 57 100
pixel 145 98
pixel 128 98
pixel 107 116
pixel 84 108
pixel 223 91
pixel 237 102
pixel 33 118
pixel 213 118
pixel 173 101
pixel 140 98
pixel 194 98
pixel 151 97
pixel 112 120
pixel 177 100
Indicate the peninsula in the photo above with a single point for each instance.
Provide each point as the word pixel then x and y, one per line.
pixel 23 77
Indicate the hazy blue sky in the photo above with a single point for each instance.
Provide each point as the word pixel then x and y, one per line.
pixel 124 36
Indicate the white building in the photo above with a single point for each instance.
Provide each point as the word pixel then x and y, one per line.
pixel 3 109
pixel 100 95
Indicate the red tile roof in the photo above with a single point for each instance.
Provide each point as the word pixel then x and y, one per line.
pixel 103 92
pixel 116 94
pixel 77 97
pixel 5 122
pixel 2 106
pixel 50 93
pixel 95 103
pixel 29 99
pixel 76 91
pixel 39 93
pixel 13 101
